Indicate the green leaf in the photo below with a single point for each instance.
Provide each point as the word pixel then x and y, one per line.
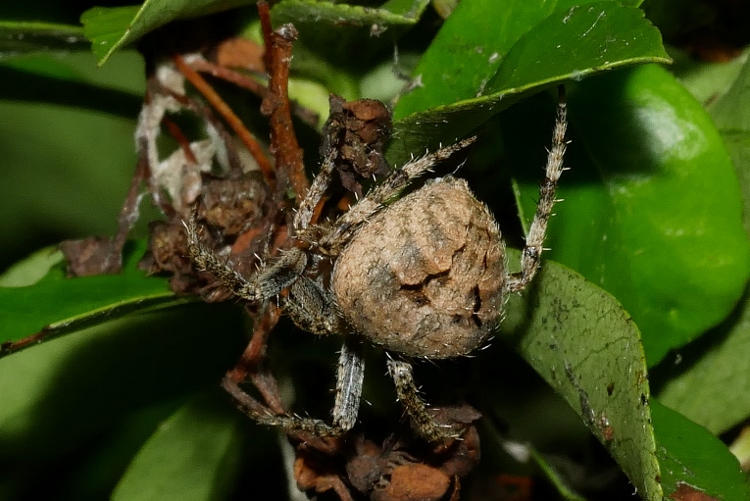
pixel 194 455
pixel 111 28
pixel 484 59
pixel 705 80
pixel 724 110
pixel 23 37
pixel 735 129
pixel 582 342
pixel 56 180
pixel 553 477
pixel 689 454
pixel 32 269
pixel 711 384
pixel 652 208
pixel 57 305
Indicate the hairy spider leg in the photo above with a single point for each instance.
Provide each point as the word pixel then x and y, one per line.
pixel 406 389
pixel 349 378
pixel 269 281
pixel 533 249
pixel 315 193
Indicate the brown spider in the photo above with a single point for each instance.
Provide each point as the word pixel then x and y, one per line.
pixel 424 277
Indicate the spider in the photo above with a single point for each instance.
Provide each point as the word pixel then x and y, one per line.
pixel 424 277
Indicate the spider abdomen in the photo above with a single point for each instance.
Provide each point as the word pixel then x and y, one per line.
pixel 424 277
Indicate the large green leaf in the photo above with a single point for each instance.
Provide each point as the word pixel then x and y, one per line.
pixel 711 386
pixel 582 342
pixel 30 77
pixel 56 179
pixel 346 35
pixel 57 305
pixel 486 58
pixel 652 208
pixel 326 13
pixel 60 394
pixel 193 455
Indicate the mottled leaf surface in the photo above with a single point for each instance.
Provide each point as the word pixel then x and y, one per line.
pixel 584 344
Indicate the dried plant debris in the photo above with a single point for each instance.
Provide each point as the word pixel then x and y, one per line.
pixel 399 469
pixel 91 256
pixel 356 133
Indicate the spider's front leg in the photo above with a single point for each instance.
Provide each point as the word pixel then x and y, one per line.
pixel 408 394
pixel 269 282
pixel 532 251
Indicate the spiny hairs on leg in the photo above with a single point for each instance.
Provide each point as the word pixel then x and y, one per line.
pixel 534 240
pixel 416 408
pixel 269 282
pixel 349 377
pixel 204 259
pixel 315 193
pixel 398 179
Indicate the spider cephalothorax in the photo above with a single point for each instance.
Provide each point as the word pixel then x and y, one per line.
pixel 423 277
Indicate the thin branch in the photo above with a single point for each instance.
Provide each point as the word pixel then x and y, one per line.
pixel 284 143
pixel 232 119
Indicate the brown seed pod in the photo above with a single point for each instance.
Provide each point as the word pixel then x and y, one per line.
pixel 435 258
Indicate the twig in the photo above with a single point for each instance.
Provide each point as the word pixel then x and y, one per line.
pixel 232 119
pixel 284 143
pixel 245 82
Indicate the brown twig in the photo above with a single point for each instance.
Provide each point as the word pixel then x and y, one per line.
pixel 276 105
pixel 179 136
pixel 230 75
pixel 232 119
pixel 264 11
pixel 245 82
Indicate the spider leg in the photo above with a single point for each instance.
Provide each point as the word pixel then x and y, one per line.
pixel 533 250
pixel 348 223
pixel 348 392
pixel 349 379
pixel 265 416
pixel 408 394
pixel 311 308
pixel 314 195
pixel 268 282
